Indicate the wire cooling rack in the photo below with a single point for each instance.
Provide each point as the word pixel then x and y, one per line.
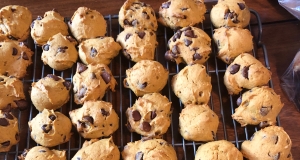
pixel 220 102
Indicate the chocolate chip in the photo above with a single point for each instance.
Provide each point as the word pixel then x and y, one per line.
pixel 175 49
pixel 52 117
pixel 214 135
pixel 39 18
pixel 5 144
pixel 263 124
pixel 54 77
pixel 170 56
pixel 232 16
pixel 32 24
pixel 143 85
pixel 81 67
pixel 13 9
pixel 153 114
pixel 146 15
pixel 15 51
pixel 187 42
pixel 67 84
pixel 82 92
pixel 71 39
pixel 46 47
pixel 8 116
pixel 105 76
pixel 190 33
pixel 241 5
pixel 139 155
pixel 24 56
pixel 17 136
pixel 289 155
pixel 197 56
pixel 234 68
pixel 89 119
pixel 78 158
pixel 126 22
pixel 239 101
pixel 146 126
pixel 22 104
pixel 62 49
pixel 93 75
pixel 166 5
pixel 104 112
pixel 126 54
pixel 276 139
pixel 264 110
pixel 80 126
pixel 4 122
pixel 141 34
pixel 93 52
pixel 43 151
pixel 46 128
pixel 134 22
pixel 127 36
pixel 136 115
pixel 177 35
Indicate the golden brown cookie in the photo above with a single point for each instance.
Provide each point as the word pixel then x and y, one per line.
pixel 44 28
pixel 40 152
pixel 245 72
pixel 87 23
pixel 91 82
pixel 9 131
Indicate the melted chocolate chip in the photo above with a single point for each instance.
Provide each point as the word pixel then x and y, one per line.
pixel 239 101
pixel 39 18
pixel 153 114
pixel 241 5
pixel 197 56
pixel 141 34
pixel 62 49
pixel 15 51
pixel 126 22
pixel 54 77
pixel 22 104
pixel 5 144
pixel 245 72
pixel 89 119
pixel 8 116
pixel 127 36
pixel 46 47
pixel 93 52
pixel 105 76
pixel 177 35
pixel 67 84
pixel 264 110
pixel 4 122
pixel 146 126
pixel 233 16
pixel 175 49
pixel 190 33
pixel 24 56
pixel 234 68
pixel 46 128
pixel 170 56
pixel 52 117
pixel 82 92
pixel 187 42
pixel 104 112
pixel 13 9
pixel 136 115
pixel 134 22
pixel 166 5
pixel 143 85
pixel 139 155
pixel 81 67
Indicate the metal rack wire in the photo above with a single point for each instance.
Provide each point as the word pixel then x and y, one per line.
pixel 222 103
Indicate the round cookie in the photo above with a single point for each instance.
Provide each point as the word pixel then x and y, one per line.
pixel 231 42
pixel 146 76
pixel 50 128
pixel 95 119
pixel 192 85
pixel 258 105
pixel 103 149
pixel 11 94
pixel 137 14
pixel 44 28
pixel 15 22
pixel 150 115
pixel 60 52
pixel 138 44
pixel 268 144
pixel 218 150
pixel 190 45
pixel 50 92
pixel 230 13
pixel 15 58
pixel 181 13
pixel 245 72
pixel 157 149
pixel 91 82
pixel 87 23
pixel 198 123
pixel 40 152
pixel 98 50
pixel 9 131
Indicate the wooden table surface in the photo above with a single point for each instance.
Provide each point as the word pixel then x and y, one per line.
pixel 281 35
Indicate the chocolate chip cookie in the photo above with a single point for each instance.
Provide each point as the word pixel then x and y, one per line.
pixel 181 13
pixel 189 45
pixel 258 105
pixel 230 13
pixel 50 92
pixel 11 94
pixel 137 14
pixel 231 42
pixel 95 119
pixel 138 44
pixel 60 52
pixel 198 123
pixel 269 143
pixel 98 50
pixel 146 76
pixel 15 22
pixel 87 23
pixel 150 115
pixel 157 149
pixel 91 82
pixel 103 149
pixel 218 150
pixel 40 152
pixel 245 72
pixel 15 57
pixel 50 128
pixel 45 27
pixel 192 85
pixel 9 131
